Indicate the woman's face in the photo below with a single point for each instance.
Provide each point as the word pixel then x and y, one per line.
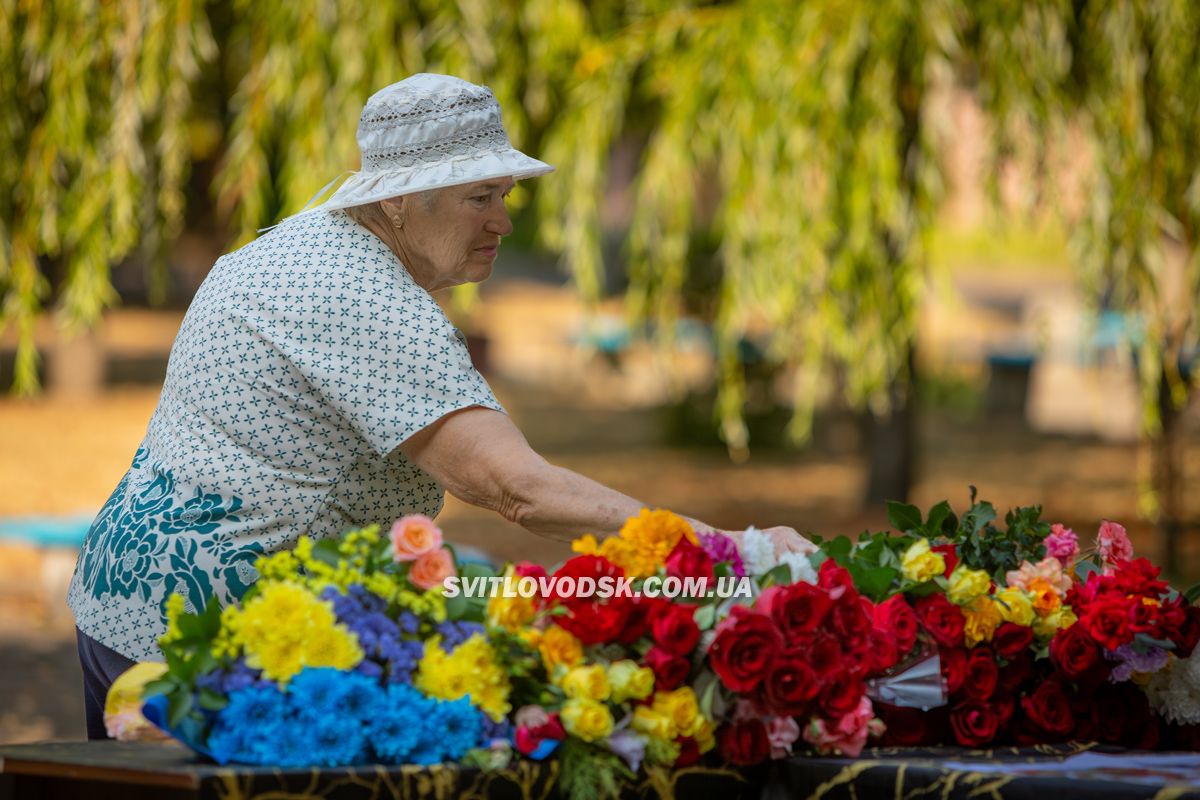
pixel 452 236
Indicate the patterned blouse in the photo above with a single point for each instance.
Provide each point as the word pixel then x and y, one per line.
pixel 305 358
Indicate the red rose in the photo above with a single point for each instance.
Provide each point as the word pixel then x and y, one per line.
pixel 527 569
pixel 831 576
pixel 974 723
pixel 884 652
pixel 859 659
pixel 1188 635
pixel 746 645
pixel 577 568
pixel 954 665
pixel 949 555
pixel 744 743
pixel 1108 619
pixel 896 617
pixel 675 630
pixel 1016 672
pixel 850 618
pixel 789 686
pixel 798 608
pixel 980 674
pixel 640 610
pixel 595 623
pixel 527 739
pixel 825 656
pixel 1049 709
pixel 841 695
pixel 1011 639
pixel 1074 652
pixel 670 670
pixel 942 619
pixel 906 727
pixel 689 561
pixel 689 752
pixel 1004 704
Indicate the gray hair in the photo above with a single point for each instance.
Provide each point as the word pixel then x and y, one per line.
pixel 375 211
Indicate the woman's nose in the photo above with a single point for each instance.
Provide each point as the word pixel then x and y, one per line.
pixel 499 223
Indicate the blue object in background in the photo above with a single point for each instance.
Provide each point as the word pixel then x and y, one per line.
pixel 46 531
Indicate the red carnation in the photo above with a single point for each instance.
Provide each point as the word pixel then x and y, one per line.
pixel 528 738
pixel 942 619
pixel 1107 619
pixel 746 645
pixel 689 561
pixel 744 743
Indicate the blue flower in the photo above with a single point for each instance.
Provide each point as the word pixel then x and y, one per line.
pixel 461 728
pixel 455 633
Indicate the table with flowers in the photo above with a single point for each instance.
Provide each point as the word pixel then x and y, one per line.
pixel 843 671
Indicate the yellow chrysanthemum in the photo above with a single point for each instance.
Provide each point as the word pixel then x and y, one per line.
pixel 643 543
pixel 559 648
pixel 471 670
pixel 286 628
pixel 175 608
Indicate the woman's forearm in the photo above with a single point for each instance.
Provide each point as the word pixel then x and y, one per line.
pixel 561 504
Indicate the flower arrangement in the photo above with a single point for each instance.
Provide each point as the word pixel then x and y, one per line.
pixel 1036 641
pixel 956 630
pixel 343 652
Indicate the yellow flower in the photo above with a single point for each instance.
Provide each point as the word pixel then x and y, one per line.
pixel 227 641
pixel 586 719
pixel 920 564
pixel 559 647
pixel 586 683
pixel 629 681
pixel 471 670
pixel 966 584
pixel 982 618
pixel 286 628
pixel 1050 624
pixel 510 613
pixel 643 544
pixel 175 608
pixel 1044 596
pixel 1015 607
pixel 706 738
pixel 653 723
pixel 662 751
pixel 680 706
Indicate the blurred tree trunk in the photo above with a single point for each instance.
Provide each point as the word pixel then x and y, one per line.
pixel 892 442
pixel 1168 469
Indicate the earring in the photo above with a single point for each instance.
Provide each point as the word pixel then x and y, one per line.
pixel 397 221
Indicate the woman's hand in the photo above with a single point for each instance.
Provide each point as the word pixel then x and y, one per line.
pixel 785 540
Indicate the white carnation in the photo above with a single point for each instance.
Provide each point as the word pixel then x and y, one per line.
pixel 758 553
pixel 801 567
pixel 1174 692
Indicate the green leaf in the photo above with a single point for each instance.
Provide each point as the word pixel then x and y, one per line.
pixel 210 700
pixel 1192 593
pixel 941 520
pixel 839 550
pixel 780 575
pixel 874 582
pixel 903 517
pixel 178 706
pixel 705 616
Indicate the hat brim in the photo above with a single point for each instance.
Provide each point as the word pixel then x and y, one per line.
pixel 367 187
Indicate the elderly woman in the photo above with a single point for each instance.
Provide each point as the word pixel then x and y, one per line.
pixel 316 385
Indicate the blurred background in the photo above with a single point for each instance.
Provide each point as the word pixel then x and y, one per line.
pixel 798 258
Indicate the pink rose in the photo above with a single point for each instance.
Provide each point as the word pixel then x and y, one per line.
pixel 1062 543
pixel 1113 543
pixel 782 733
pixel 848 734
pixel 414 536
pixel 431 569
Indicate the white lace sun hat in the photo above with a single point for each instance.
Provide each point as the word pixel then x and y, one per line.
pixel 426 132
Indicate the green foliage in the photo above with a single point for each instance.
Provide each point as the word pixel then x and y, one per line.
pixel 590 772
pixel 796 141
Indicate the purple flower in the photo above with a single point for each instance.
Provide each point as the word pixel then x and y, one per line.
pixel 722 548
pixel 455 633
pixel 1131 661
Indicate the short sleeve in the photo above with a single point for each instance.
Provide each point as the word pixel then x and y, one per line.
pixel 377 348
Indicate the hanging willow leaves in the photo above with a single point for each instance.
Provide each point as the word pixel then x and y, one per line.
pixel 789 146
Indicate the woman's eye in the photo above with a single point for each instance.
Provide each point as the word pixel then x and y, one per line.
pixel 483 198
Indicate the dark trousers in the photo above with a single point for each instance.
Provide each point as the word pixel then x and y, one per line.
pixel 101 666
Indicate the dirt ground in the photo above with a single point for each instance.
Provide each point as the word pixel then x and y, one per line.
pixel 62 457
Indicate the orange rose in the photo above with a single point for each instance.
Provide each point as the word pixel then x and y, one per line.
pixel 430 569
pixel 414 536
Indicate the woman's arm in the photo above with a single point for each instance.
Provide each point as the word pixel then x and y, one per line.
pixel 482 459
